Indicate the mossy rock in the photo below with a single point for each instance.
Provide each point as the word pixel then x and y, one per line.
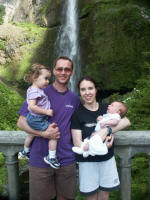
pixel 113 37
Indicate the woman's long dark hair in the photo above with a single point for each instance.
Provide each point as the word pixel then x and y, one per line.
pixel 87 78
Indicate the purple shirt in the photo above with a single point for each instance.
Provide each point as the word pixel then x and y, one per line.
pixel 42 99
pixel 63 105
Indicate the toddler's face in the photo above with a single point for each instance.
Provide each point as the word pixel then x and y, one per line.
pixel 43 80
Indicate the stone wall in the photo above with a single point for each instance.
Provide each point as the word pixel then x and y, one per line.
pixel 127 144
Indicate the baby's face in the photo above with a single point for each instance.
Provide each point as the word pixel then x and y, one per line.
pixel 113 108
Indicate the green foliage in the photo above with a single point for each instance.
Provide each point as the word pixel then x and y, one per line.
pixel 2 13
pixel 139 179
pixel 33 31
pixel 9 105
pixel 3 176
pixel 2 44
pixel 138 101
pixel 118 36
pixel 13 72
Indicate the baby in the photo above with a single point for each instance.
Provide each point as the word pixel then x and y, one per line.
pixel 95 145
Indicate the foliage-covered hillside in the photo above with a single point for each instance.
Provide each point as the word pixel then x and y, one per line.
pixel 138 101
pixel 10 102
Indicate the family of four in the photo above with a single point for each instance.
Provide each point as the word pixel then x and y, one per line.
pixel 69 129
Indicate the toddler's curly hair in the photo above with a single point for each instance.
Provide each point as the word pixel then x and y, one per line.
pixel 34 72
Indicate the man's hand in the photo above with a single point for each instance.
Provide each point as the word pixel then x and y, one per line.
pixel 52 132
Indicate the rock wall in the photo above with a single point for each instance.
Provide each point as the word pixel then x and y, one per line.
pixel 10 6
pixel 42 12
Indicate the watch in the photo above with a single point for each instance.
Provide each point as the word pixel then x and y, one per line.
pixel 109 129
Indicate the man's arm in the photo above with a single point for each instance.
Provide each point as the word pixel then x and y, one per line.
pixel 52 132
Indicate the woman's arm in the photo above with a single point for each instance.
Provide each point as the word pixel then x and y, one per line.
pixel 52 132
pixel 77 137
pixel 112 122
pixel 123 123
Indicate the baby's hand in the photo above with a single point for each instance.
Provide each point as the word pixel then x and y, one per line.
pixel 93 134
pixel 86 147
pixel 50 112
pixel 99 118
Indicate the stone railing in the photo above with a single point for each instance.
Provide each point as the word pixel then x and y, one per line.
pixel 127 144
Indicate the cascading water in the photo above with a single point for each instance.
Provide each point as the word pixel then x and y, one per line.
pixel 67 43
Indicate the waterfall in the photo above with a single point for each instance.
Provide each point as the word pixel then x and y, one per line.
pixel 67 43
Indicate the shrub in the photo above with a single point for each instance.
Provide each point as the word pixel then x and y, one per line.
pixel 10 103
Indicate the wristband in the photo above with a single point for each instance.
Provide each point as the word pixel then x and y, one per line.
pixel 109 129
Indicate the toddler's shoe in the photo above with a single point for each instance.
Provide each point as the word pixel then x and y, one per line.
pixel 53 162
pixel 24 154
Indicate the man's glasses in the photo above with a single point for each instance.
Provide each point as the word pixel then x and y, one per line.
pixel 66 69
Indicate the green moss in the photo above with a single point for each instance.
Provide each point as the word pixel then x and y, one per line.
pixel 113 49
pixel 13 72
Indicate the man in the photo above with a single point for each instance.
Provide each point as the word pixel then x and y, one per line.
pixel 46 182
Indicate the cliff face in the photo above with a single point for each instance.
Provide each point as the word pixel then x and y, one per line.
pixel 18 10
pixel 42 12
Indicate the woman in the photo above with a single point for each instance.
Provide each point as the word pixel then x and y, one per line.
pixel 97 174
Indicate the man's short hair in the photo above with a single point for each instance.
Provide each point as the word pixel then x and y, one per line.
pixel 63 58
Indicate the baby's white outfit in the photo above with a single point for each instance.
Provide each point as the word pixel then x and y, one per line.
pixel 96 145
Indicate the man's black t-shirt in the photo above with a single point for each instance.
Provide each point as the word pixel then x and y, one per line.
pixel 85 120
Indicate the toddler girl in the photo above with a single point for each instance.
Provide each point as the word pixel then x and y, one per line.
pixel 39 110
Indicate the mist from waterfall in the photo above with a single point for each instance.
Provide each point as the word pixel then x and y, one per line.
pixel 67 43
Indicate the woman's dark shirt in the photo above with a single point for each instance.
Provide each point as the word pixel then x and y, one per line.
pixel 85 120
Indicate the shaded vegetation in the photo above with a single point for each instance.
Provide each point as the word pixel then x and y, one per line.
pixel 10 103
pixel 2 12
pixel 113 49
pixel 138 101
